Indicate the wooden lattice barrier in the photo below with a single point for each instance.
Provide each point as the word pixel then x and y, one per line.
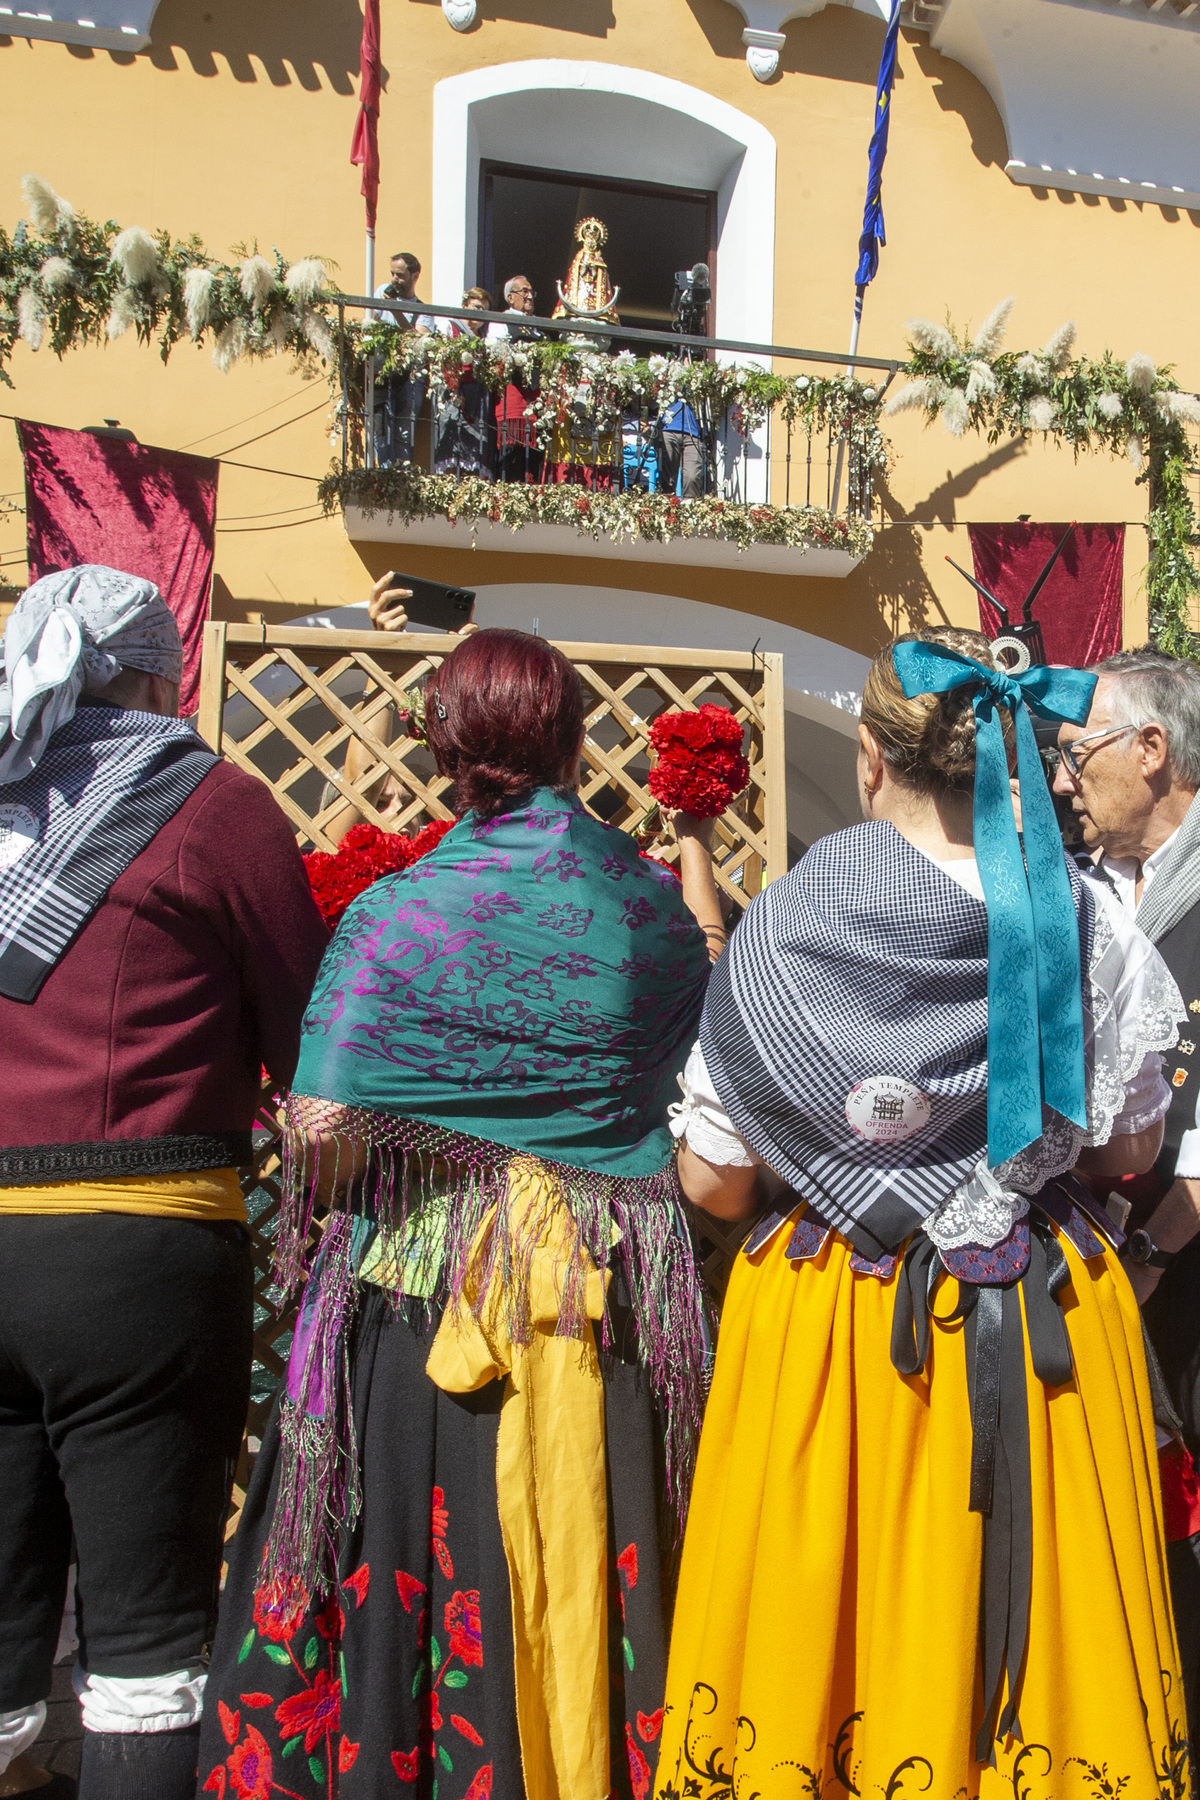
pixel 285 705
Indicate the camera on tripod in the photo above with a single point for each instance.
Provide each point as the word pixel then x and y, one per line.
pixel 690 302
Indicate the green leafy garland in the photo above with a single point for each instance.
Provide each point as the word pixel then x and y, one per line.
pixel 407 493
pixel 1133 409
pixel 70 281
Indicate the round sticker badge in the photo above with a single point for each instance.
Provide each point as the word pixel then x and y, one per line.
pixel 19 832
pixel 885 1110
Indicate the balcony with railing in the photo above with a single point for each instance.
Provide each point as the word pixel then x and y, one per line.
pixel 565 437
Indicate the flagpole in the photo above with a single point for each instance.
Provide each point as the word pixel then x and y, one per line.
pixel 853 351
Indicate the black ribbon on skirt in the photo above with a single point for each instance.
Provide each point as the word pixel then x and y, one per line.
pixel 1000 1475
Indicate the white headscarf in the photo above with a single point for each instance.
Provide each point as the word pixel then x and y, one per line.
pixel 53 652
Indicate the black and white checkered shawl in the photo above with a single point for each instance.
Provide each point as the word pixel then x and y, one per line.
pixel 866 959
pixel 107 783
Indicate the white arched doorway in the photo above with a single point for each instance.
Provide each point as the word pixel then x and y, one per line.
pixel 603 119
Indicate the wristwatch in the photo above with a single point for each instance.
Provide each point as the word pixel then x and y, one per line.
pixel 1140 1248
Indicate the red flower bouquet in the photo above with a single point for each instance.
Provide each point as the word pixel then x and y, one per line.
pixel 700 766
pixel 364 855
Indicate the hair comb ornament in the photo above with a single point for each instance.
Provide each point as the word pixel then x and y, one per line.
pixel 1021 646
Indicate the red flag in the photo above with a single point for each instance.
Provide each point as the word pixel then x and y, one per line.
pixel 150 512
pixel 365 148
pixel 1079 609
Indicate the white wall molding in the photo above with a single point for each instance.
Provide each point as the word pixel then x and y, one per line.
pixel 765 19
pixel 631 124
pixel 1096 97
pixel 460 13
pixel 105 24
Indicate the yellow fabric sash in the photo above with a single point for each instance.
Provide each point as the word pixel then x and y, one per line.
pixel 550 1484
pixel 198 1194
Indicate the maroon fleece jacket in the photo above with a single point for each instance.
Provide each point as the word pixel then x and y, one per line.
pixel 191 975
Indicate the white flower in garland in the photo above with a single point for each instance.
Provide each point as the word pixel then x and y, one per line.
pixel 256 278
pixel 306 281
pixel 135 254
pixel 56 275
pixel 1057 348
pixel 1110 406
pixel 990 336
pixel 935 340
pixel 31 318
pixel 198 285
pixel 49 212
pixel 1141 374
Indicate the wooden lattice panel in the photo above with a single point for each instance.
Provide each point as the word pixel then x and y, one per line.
pixel 284 705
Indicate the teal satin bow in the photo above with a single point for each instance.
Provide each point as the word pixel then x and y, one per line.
pixel 1035 1001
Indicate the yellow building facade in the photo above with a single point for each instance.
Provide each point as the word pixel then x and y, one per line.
pixel 234 121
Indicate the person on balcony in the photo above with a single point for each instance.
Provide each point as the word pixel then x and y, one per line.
pixel 518 456
pixel 399 398
pixel 158 942
pixel 450 1565
pixel 463 430
pixel 683 458
pixel 925 1551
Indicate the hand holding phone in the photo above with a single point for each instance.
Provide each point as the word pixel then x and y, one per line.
pixel 386 605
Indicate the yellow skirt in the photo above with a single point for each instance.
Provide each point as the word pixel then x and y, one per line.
pixel 826 1635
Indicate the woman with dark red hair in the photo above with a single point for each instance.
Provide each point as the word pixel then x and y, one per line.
pixel 450 1568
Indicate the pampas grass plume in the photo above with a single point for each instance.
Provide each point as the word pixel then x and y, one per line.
pixel 1057 348
pixel 317 333
pixel 1135 451
pixel 1041 413
pixel 1032 365
pixel 1110 406
pixel 49 212
pixel 56 274
pixel 1141 373
pixel 229 346
pixel 257 279
pixel 306 280
pixel 990 336
pixel 198 286
pixel 1184 408
pixel 955 415
pixel 123 313
pixel 912 395
pixel 31 319
pixel 135 253
pixel 980 381
pixel 934 339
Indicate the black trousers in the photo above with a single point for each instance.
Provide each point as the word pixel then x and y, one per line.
pixel 125 1347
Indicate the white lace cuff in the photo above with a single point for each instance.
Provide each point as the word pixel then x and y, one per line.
pixel 1147 1099
pixel 702 1121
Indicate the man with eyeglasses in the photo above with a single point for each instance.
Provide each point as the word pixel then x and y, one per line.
pixel 518 455
pixel 1132 775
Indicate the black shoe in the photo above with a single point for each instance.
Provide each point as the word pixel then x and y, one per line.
pixel 139 1765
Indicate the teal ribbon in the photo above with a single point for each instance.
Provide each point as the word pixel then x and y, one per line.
pixel 1035 1001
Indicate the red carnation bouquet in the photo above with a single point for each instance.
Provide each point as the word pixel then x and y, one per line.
pixel 364 855
pixel 700 766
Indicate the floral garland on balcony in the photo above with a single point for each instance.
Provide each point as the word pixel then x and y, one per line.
pixel 573 380
pixel 1133 409
pixel 67 280
pixel 408 494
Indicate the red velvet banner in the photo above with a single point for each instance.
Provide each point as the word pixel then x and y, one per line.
pixel 151 512
pixel 1079 609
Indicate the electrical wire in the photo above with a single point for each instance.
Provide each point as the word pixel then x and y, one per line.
pixel 234 423
pixel 217 455
pixel 234 530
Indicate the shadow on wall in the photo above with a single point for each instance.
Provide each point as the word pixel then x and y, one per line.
pixel 956 90
pixel 314 43
pixel 894 576
pixel 837 44
pixel 590 18
pixel 939 506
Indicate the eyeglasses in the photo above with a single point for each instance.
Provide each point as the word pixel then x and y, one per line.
pixel 1067 751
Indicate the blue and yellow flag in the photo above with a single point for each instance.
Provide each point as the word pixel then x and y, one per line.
pixel 872 232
